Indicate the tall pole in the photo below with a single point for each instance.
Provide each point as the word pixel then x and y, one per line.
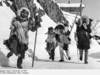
pixel 81 7
pixel 34 48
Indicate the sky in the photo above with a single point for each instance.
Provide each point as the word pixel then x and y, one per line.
pixel 92 8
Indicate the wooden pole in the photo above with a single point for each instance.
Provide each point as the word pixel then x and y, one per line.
pixel 81 7
pixel 34 48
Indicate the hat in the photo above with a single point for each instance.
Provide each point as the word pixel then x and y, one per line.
pixel 23 8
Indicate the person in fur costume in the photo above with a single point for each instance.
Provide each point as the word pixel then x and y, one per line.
pixel 18 40
pixel 63 40
pixel 51 43
pixel 83 37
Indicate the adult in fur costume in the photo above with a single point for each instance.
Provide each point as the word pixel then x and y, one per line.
pixel 18 40
pixel 83 37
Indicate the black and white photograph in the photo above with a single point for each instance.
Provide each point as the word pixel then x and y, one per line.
pixel 49 34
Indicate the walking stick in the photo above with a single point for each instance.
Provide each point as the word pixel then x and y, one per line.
pixel 73 23
pixel 72 28
pixel 34 48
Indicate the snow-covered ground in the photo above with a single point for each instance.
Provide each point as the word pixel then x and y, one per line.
pixel 6 16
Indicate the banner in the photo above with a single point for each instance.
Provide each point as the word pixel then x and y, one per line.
pixel 52 10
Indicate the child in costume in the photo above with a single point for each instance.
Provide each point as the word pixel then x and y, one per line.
pixel 51 43
pixel 63 40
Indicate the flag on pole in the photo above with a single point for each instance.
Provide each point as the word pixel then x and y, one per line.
pixel 53 11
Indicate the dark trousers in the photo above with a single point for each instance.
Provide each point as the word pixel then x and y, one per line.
pixel 51 50
pixel 52 54
pixel 85 55
pixel 20 59
pixel 21 50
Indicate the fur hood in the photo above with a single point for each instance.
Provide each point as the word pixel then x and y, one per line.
pixel 83 19
pixel 23 8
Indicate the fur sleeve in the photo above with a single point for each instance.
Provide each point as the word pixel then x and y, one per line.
pixel 14 24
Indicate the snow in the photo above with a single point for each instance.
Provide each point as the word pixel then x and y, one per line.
pixel 3 60
pixel 66 65
pixel 6 16
pixel 96 29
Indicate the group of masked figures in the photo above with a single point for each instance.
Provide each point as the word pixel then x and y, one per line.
pixel 59 36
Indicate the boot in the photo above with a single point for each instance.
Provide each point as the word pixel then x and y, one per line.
pixel 69 58
pixel 52 58
pixel 86 62
pixel 9 54
pixel 20 67
pixel 19 62
pixel 81 58
pixel 61 60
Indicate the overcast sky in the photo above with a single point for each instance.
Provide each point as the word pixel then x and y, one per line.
pixel 92 7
